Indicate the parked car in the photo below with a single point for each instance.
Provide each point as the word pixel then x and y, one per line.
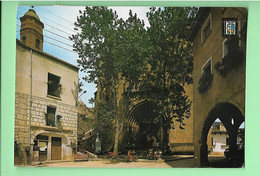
pixel 227 153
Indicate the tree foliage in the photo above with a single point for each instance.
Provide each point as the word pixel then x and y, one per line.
pixel 170 63
pixel 152 63
pixel 111 50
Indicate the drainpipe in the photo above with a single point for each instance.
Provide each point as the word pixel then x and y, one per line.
pixel 30 108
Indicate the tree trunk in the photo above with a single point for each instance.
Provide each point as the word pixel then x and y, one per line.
pixel 115 151
pixel 119 123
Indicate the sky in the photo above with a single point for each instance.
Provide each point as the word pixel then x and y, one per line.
pixel 59 24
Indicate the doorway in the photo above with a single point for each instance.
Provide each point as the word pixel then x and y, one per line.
pixel 231 119
pixel 56 148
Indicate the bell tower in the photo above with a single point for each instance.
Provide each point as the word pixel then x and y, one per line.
pixel 31 33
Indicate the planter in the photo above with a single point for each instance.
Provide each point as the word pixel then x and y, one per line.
pixel 205 82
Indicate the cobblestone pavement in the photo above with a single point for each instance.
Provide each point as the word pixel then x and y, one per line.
pixel 108 164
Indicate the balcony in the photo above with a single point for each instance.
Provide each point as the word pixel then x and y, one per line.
pixel 233 58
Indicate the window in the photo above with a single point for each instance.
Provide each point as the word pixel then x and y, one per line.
pixel 207 67
pixel 54 86
pixel 206 29
pixel 51 116
pixel 24 39
pixel 206 78
pixel 230 45
pixel 224 48
pixel 37 44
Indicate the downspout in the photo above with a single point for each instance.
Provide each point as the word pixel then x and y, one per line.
pixel 30 108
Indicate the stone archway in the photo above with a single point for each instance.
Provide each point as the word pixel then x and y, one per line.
pixel 47 139
pixel 144 128
pixel 231 117
pixel 65 139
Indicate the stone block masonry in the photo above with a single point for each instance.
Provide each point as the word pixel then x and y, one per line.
pixel 21 118
pixel 38 122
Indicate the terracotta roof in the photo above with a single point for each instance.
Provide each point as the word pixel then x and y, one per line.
pixel 47 55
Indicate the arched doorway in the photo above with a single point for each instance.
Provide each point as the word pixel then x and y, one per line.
pixel 145 128
pixel 232 118
pixel 51 146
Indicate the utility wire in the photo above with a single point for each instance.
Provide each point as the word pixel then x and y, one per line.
pixel 48 12
pixel 52 33
pixel 60 46
pixel 56 45
pixel 53 26
pixel 54 14
pixel 71 23
pixel 57 34
pixel 57 40
pixel 57 29
pixel 52 22
pixel 58 24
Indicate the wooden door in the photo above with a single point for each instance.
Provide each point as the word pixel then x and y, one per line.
pixel 55 148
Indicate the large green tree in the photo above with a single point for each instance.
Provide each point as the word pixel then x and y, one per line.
pixel 170 65
pixel 152 64
pixel 171 62
pixel 112 54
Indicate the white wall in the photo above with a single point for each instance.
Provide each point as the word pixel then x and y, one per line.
pixel 41 66
pixel 219 142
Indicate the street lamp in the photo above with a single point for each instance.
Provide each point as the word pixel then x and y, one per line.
pixel 80 96
pixel 82 93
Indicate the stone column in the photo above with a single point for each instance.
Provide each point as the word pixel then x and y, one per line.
pixel 49 149
pixel 233 145
pixel 204 153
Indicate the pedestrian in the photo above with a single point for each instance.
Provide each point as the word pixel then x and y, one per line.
pixel 129 154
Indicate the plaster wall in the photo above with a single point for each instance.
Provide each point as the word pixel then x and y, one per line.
pixel 41 66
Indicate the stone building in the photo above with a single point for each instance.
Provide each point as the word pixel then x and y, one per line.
pixel 219 42
pixel 219 138
pixel 140 131
pixel 45 96
pixel 181 140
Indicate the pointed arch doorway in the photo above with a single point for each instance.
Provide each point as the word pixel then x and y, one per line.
pixel 232 118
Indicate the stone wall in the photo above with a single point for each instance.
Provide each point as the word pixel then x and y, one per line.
pixel 229 89
pixel 21 118
pixel 38 123
pixel 181 140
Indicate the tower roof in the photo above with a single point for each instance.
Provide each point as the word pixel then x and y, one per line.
pixel 32 13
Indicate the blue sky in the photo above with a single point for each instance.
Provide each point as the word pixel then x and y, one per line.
pixel 58 25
